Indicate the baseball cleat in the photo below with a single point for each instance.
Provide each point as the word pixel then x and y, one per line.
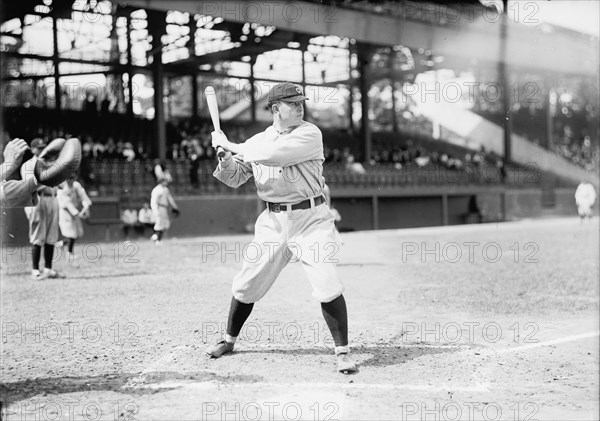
pixel 219 349
pixel 345 364
pixel 36 275
pixel 52 274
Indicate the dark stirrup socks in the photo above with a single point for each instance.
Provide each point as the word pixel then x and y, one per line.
pixel 48 255
pixel 336 317
pixel 334 312
pixel 238 314
pixel 36 255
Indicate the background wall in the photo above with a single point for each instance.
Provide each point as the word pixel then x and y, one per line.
pixel 360 210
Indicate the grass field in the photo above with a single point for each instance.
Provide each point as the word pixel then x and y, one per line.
pixel 493 321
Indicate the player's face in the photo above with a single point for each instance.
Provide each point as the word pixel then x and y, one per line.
pixel 291 112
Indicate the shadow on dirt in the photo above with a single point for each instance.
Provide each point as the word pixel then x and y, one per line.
pixel 125 383
pixel 138 384
pixel 372 356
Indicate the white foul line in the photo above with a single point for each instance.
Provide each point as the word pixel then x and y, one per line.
pixel 551 342
pixel 477 387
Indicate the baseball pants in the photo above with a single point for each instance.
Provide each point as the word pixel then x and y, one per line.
pixel 43 221
pixel 305 235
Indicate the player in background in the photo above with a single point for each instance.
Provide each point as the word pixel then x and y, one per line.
pixel 286 161
pixel 585 197
pixel 334 211
pixel 161 201
pixel 74 206
pixel 43 219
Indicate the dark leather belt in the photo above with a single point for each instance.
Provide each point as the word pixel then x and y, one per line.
pixel 41 193
pixel 305 204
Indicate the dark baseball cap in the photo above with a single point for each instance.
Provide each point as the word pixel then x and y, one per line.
pixel 38 142
pixel 286 92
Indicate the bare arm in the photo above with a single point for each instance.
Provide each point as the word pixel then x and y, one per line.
pixel 172 201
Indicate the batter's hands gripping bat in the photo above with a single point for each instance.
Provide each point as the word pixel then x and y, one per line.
pixel 213 109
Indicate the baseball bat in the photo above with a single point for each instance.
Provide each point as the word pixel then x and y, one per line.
pixel 213 109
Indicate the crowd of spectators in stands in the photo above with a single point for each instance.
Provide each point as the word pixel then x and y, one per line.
pixel 110 149
pixel 581 152
pixel 412 154
pixel 193 142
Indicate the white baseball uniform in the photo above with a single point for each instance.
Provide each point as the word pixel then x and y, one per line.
pixel 287 168
pixel 585 197
pixel 70 201
pixel 160 202
pixel 43 217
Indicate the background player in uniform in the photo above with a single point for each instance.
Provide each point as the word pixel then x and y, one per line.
pixel 585 197
pixel 161 201
pixel 327 194
pixel 43 219
pixel 286 161
pixel 74 205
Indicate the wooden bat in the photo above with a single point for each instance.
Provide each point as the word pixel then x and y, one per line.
pixel 213 109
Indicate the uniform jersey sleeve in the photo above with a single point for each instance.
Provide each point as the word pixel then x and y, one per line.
pixel 154 200
pixel 171 200
pixel 83 196
pixel 303 144
pixel 233 172
pixel 18 193
pixel 65 202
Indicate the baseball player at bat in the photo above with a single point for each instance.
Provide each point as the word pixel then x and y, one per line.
pixel 286 161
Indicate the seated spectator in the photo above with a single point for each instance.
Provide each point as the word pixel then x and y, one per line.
pixel 110 149
pixel 336 155
pixel 128 152
pixel 140 153
pixel 183 146
pixel 162 172
pixel 354 167
pixel 87 146
pixel 327 153
pixel 175 154
pixel 129 218
pixel 119 149
pixel 421 161
pixel 98 150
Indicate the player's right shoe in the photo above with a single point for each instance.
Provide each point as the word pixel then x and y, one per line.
pixel 345 364
pixel 36 275
pixel 219 349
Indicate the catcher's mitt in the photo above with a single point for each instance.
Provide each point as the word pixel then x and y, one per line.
pixel 58 161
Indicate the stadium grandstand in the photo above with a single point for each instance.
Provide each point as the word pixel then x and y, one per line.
pixel 428 116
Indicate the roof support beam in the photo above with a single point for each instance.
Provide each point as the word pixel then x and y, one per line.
pixel 471 38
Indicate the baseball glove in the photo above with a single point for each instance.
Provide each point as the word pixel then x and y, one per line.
pixel 175 211
pixel 58 161
pixel 85 214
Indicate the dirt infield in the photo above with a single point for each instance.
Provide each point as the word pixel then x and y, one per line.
pixel 494 321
